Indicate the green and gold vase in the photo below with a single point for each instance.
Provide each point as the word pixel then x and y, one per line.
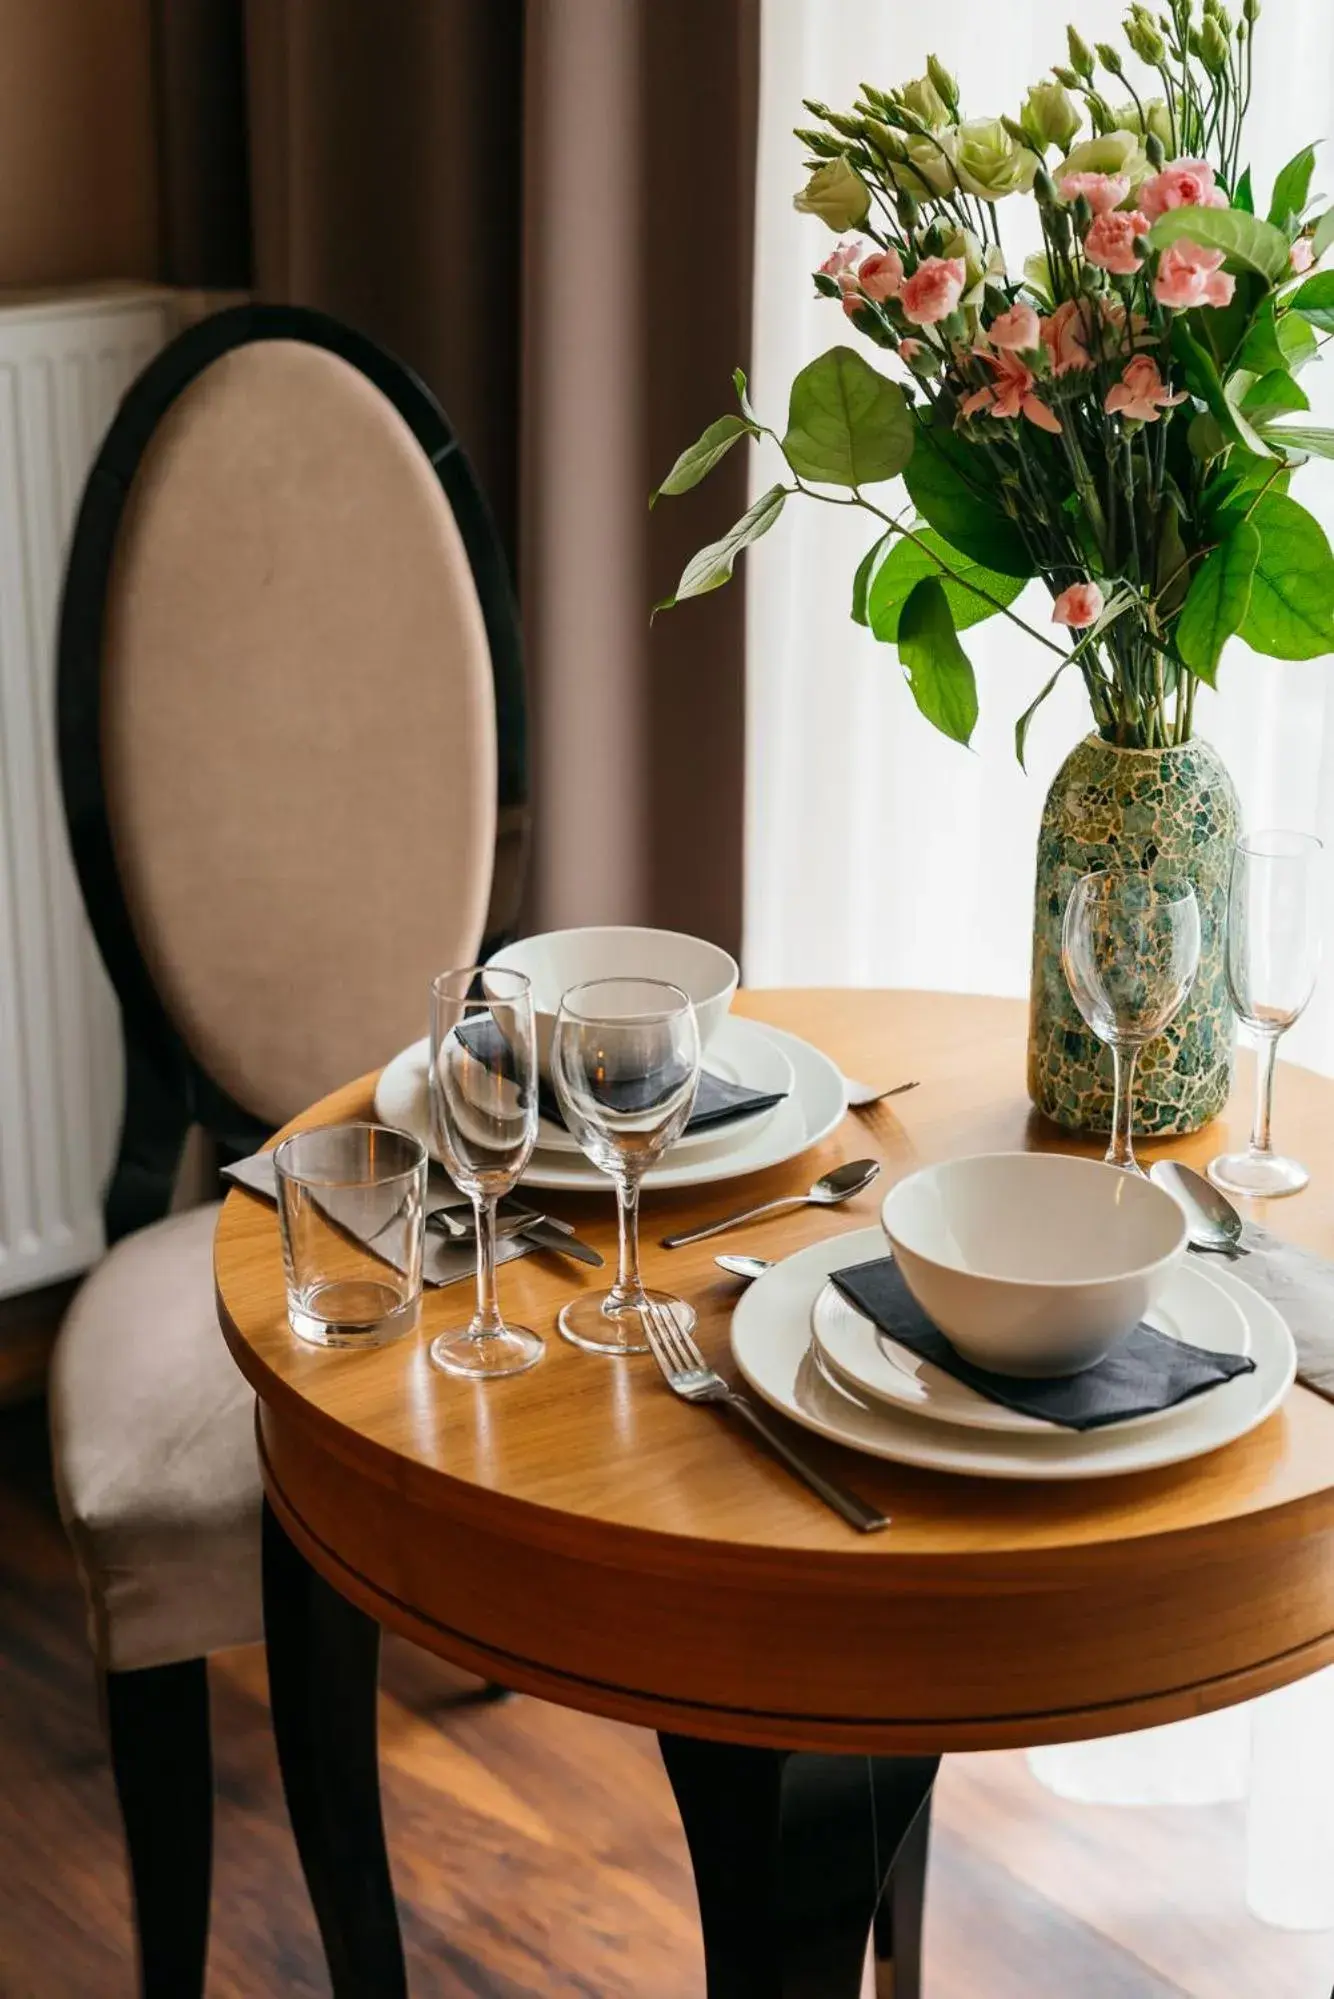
pixel 1173 812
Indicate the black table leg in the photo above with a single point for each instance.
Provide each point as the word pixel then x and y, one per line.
pixel 899 1913
pixel 791 1855
pixel 323 1658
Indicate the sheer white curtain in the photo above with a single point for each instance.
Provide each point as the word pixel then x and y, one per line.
pixel 878 853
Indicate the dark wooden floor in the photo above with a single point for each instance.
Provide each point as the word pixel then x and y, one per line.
pixel 536 1852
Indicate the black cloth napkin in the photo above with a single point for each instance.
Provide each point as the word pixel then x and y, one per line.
pixel 1144 1372
pixel 716 1102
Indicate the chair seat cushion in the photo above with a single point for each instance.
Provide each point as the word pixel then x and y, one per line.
pixel 153 1436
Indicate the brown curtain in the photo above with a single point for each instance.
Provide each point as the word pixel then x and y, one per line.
pixel 546 208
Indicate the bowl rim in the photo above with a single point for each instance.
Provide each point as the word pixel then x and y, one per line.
pixel 729 984
pixel 1039 1283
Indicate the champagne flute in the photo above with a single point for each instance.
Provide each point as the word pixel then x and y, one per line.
pixel 625 1065
pixel 1130 948
pixel 484 1123
pixel 1273 953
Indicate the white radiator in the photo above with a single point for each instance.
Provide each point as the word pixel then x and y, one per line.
pixel 65 361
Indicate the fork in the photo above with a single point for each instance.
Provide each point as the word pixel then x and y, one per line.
pixel 689 1375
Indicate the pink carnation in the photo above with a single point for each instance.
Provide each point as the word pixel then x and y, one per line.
pixel 1102 192
pixel 1185 184
pixel 1110 242
pixel 1141 391
pixel 1019 328
pixel 1078 606
pixel 1011 392
pixel 881 275
pixel 933 290
pixel 1064 335
pixel 1189 276
pixel 1301 256
pixel 841 263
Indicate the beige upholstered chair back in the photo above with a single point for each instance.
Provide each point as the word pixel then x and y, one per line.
pixel 298 724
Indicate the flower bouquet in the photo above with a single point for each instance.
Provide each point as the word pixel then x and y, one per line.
pixel 1120 416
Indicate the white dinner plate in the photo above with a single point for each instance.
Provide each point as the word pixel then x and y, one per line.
pixel 1193 1309
pixel 771 1342
pixel 765 1068
pixel 816 1105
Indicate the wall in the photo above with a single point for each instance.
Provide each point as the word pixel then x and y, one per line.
pixel 78 193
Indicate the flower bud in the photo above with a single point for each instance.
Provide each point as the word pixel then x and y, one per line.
pixel 924 101
pixel 1155 151
pixel 906 209
pixel 1044 187
pixel 816 109
pixel 1048 118
pixel 943 82
pixel 1251 10
pixel 851 128
pixel 1109 58
pixel 1101 116
pixel 838 195
pixel 1065 76
pixel 1213 46
pixel 818 143
pixel 1145 41
pixel 1081 56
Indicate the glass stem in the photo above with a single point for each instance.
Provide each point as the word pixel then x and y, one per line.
pixel 1121 1151
pixel 488 1319
pixel 1264 1094
pixel 628 1288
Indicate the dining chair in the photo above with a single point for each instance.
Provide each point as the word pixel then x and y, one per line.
pixel 291 733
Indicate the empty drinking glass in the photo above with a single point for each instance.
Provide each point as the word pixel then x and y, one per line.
pixel 1273 953
pixel 625 1065
pixel 483 1124
pixel 350 1205
pixel 1130 947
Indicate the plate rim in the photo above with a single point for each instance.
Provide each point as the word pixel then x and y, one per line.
pixel 912 1444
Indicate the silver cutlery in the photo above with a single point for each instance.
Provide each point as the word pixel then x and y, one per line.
pixel 546 1231
pixel 744 1266
pixel 1214 1224
pixel 828 1191
pixel 861 1096
pixel 689 1375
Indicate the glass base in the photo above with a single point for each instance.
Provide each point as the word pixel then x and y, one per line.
pixel 1130 1165
pixel 591 1322
pixel 351 1312
pixel 487 1356
pixel 1257 1175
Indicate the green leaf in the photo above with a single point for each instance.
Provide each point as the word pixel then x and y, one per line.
pixel 939 671
pixel 1244 194
pixel 739 384
pixel 1220 597
pixel 1261 351
pixel 847 425
pixel 861 582
pixel 1244 238
pixel 1242 474
pixel 699 459
pixel 1302 437
pixel 1203 380
pixel 1324 234
pixel 1275 394
pixel 939 477
pixel 1297 341
pixel 713 565
pixel 1291 190
pixel 1315 301
pixel 1171 577
pixel 1291 613
pixel 1206 437
pixel 1021 727
pixel 909 561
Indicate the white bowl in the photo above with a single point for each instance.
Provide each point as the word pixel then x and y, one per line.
pixel 1033 1263
pixel 559 959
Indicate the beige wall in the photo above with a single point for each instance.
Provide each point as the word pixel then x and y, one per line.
pixel 78 192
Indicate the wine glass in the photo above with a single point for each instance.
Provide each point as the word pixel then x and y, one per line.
pixel 625 1065
pixel 1130 948
pixel 1273 952
pixel 484 1122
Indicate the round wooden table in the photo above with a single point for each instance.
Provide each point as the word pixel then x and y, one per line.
pixel 579 1534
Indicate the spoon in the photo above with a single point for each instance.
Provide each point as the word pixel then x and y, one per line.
pixel 744 1266
pixel 1213 1222
pixel 828 1191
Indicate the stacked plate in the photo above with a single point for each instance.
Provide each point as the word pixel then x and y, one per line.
pixel 804 1349
pixel 760 1057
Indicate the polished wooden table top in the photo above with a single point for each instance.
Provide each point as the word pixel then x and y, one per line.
pixel 579 1533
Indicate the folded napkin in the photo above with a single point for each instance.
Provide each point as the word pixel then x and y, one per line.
pixel 717 1102
pixel 1144 1372
pixel 443 1262
pixel 1300 1285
